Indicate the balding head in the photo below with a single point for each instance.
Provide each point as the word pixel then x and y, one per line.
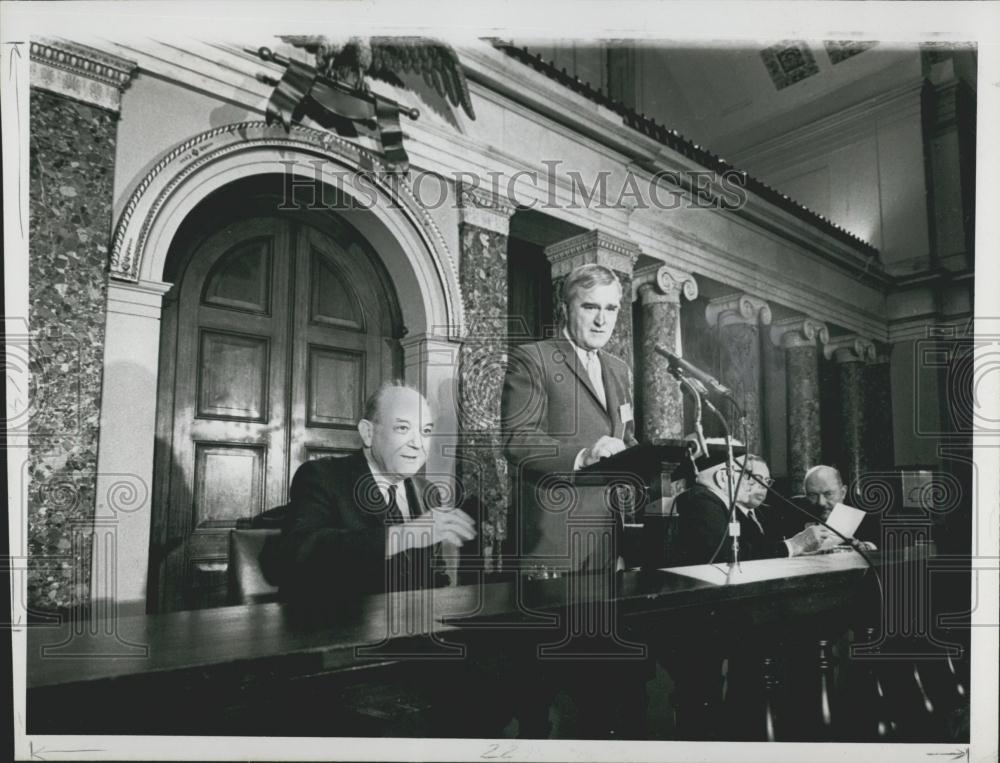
pixel 824 487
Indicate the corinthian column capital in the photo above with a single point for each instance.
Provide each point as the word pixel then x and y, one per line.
pixel 799 331
pixel 663 284
pixel 483 208
pixel 850 348
pixel 735 309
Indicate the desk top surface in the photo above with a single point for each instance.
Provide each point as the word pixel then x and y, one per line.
pixel 105 648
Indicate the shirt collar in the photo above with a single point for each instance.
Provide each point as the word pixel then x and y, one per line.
pixel 381 479
pixel 580 352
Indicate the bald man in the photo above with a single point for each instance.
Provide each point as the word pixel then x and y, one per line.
pixel 368 522
pixel 703 518
pixel 824 488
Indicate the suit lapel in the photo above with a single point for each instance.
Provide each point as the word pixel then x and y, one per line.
pixel 614 397
pixel 572 361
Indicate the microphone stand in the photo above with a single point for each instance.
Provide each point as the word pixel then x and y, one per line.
pixel 734 525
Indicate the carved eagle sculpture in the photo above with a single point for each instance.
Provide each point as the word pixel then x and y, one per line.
pixel 348 61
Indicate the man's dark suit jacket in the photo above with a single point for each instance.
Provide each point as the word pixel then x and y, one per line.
pixel 550 412
pixel 702 521
pixel 333 543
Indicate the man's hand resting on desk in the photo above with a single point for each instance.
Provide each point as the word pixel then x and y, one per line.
pixel 606 446
pixel 812 540
pixel 441 525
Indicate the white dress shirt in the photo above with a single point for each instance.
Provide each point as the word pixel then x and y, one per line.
pixel 383 482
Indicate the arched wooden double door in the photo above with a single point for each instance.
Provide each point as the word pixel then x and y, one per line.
pixel 276 333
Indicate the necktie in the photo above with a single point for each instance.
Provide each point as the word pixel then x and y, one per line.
pixel 756 521
pixel 594 372
pixel 394 516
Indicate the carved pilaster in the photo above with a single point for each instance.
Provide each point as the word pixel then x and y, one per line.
pixel 659 290
pixel 737 309
pixel 484 209
pixel 481 470
pixel 880 440
pixel 798 336
pixel 738 317
pixel 851 352
pixel 80 72
pixel 618 254
pixel 850 349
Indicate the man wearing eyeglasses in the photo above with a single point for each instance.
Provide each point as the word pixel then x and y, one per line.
pixel 703 517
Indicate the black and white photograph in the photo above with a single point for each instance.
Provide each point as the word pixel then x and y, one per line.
pixel 595 381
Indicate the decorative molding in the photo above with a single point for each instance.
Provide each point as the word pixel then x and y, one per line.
pixel 799 331
pixel 841 50
pixel 735 309
pixel 143 299
pixel 665 284
pixel 80 72
pixel 850 348
pixel 789 62
pixel 592 247
pixel 484 208
pixel 208 149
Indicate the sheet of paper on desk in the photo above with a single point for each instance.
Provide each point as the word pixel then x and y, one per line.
pixel 845 519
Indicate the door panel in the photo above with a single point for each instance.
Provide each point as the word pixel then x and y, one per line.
pixel 335 387
pixel 282 332
pixel 232 376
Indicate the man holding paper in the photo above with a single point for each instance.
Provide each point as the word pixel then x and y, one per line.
pixel 824 495
pixel 703 517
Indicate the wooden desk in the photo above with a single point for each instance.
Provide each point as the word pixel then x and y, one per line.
pixel 204 671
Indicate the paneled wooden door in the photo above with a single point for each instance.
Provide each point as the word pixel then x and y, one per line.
pixel 280 331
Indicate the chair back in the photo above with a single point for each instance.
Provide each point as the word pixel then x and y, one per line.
pixel 247 583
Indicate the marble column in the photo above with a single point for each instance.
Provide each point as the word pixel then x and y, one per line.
pixel 480 468
pixel 879 443
pixel 798 336
pixel 737 318
pixel 851 353
pixel 603 249
pixel 74 104
pixel 658 394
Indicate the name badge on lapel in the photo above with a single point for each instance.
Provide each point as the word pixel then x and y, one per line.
pixel 624 416
pixel 625 412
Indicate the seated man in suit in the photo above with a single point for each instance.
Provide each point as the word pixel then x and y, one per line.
pixel 367 523
pixel 824 488
pixel 703 517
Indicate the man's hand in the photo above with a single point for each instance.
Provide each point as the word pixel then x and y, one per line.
pixel 445 524
pixel 606 446
pixel 812 540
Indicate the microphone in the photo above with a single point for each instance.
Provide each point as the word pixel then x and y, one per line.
pixel 681 366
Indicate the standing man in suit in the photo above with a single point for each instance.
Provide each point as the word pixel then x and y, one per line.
pixel 703 517
pixel 566 404
pixel 367 523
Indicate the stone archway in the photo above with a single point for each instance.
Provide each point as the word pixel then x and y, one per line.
pixel 405 236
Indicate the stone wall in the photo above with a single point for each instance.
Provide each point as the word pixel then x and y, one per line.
pixel 72 154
